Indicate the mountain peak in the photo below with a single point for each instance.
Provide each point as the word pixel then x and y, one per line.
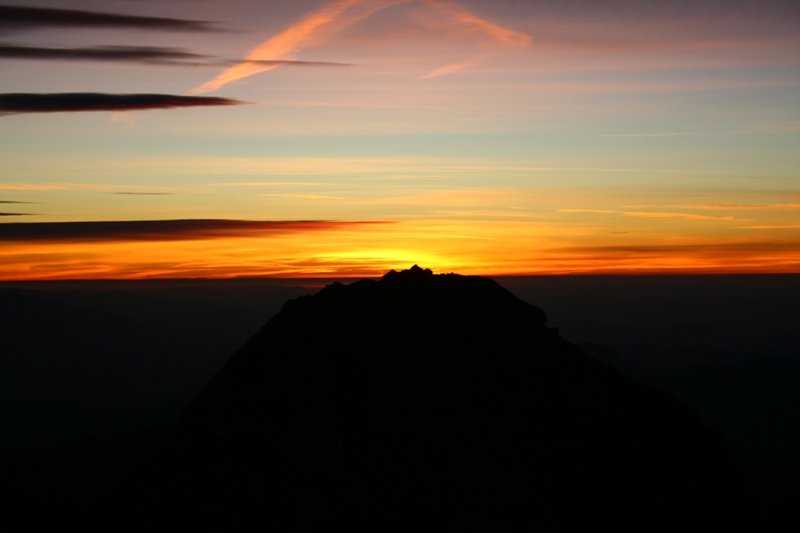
pixel 425 401
pixel 414 272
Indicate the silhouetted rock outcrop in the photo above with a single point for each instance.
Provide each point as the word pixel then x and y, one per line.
pixel 428 401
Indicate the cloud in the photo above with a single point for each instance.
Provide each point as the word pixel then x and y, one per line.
pixel 137 54
pixel 15 214
pixel 661 214
pixel 279 46
pixel 510 38
pixel 451 69
pixel 13 103
pixel 775 226
pixel 144 193
pixel 307 196
pixel 741 206
pixel 676 134
pixel 292 63
pixel 334 17
pixel 602 211
pixel 28 18
pixel 746 250
pixel 159 230
pixel 12 202
pixel 154 55
pixel 648 214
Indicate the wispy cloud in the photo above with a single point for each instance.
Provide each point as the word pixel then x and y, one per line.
pixel 334 17
pixel 774 226
pixel 29 187
pixel 281 46
pixel 12 202
pixel 661 214
pixel 28 18
pixel 161 230
pixel 16 214
pixel 143 193
pixel 268 183
pixel 601 211
pixel 741 206
pixel 307 196
pixel 451 69
pixel 648 214
pixel 506 36
pixel 674 134
pixel 15 103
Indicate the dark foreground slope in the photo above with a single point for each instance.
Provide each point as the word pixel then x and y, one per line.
pixel 430 401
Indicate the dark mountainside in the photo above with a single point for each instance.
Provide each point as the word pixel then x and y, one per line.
pixel 430 401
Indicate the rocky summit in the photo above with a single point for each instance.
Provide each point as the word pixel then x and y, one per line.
pixel 429 401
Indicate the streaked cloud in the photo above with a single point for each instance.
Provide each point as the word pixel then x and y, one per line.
pixel 307 196
pixel 676 134
pixel 134 54
pixel 15 214
pixel 29 187
pixel 451 69
pixel 15 103
pixel 662 214
pixel 648 214
pixel 741 206
pixel 151 55
pixel 281 46
pixel 333 17
pixel 601 211
pixel 160 230
pixel 508 37
pixel 774 226
pixel 143 193
pixel 28 18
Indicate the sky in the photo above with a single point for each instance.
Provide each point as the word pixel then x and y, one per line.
pixel 313 138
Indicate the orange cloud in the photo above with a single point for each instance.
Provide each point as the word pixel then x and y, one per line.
pixel 658 214
pixel 451 69
pixel 280 46
pixel 511 38
pixel 742 206
pixel 338 15
pixel 648 214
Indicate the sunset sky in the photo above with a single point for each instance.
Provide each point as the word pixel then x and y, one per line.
pixel 348 137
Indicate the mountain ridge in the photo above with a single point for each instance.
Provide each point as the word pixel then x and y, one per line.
pixel 433 400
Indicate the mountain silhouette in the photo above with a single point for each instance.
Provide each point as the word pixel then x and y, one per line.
pixel 430 401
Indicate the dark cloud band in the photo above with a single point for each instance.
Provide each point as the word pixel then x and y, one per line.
pixel 136 54
pixel 13 103
pixel 15 17
pixel 139 54
pixel 16 214
pixel 158 230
